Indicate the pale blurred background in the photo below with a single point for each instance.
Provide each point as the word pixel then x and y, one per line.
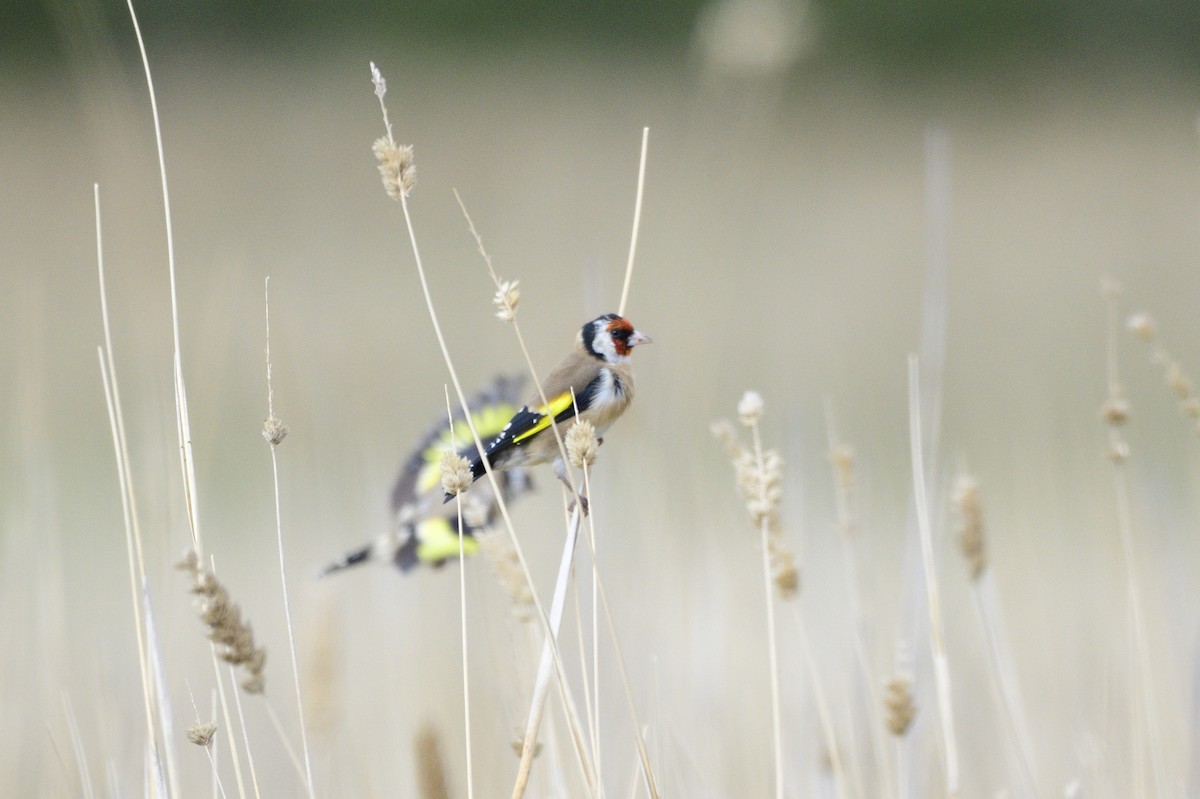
pixel 791 242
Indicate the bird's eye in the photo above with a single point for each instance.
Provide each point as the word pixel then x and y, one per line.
pixel 621 333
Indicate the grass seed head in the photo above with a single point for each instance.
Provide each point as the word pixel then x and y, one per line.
pixel 456 473
pixel 898 701
pixel 233 636
pixel 508 295
pixel 750 408
pixel 274 430
pixel 582 444
pixel 971 532
pixel 1142 325
pixel 202 734
pixel 396 167
pixel 1115 411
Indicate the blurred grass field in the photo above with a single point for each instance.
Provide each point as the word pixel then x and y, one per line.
pixel 784 247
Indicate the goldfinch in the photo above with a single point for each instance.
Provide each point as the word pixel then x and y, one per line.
pixel 424 530
pixel 596 378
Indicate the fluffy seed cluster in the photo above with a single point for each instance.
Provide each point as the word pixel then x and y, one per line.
pixel 233 636
pixel 1142 326
pixel 274 430
pixel 759 478
pixel 582 444
pixel 202 734
pixel 396 167
pixel 750 408
pixel 970 532
pixel 456 473
pixel 507 296
pixel 898 701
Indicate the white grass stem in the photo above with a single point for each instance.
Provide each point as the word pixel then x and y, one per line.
pixel 637 222
pixel 941 667
pixel 462 598
pixel 85 774
pixel 903 750
pixel 185 439
pixel 848 533
pixel 823 715
pixel 162 699
pixel 1142 665
pixel 133 533
pixel 589 710
pixel 772 647
pixel 598 585
pixel 284 738
pixel 287 605
pixel 595 634
pixel 234 755
pixel 237 700
pixel 542 683
pixel 1006 683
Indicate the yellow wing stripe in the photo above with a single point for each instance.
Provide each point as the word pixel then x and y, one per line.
pixel 557 406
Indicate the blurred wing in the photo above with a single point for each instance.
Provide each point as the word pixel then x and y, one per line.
pixel 490 410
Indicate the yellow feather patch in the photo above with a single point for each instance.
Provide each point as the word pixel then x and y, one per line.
pixel 439 541
pixel 489 421
pixel 557 406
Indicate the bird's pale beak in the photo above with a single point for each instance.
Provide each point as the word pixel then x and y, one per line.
pixel 639 338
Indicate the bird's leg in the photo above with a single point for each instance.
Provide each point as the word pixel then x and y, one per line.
pixel 560 471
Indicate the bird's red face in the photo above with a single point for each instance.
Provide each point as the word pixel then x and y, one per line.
pixel 624 336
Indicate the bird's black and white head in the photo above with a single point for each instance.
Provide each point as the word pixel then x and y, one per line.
pixel 611 338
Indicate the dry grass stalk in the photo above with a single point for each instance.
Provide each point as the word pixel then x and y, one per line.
pixel 274 431
pixel 759 478
pixel 1115 410
pixel 898 701
pixel 637 222
pixel 233 636
pixel 133 536
pixel 971 539
pixel 841 459
pixel 456 478
pixel 1144 328
pixel 1144 708
pixel 583 446
pixel 941 663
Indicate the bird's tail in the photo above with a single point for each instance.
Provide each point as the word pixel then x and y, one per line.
pixel 350 559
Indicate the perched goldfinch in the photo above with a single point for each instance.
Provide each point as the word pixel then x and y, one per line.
pixel 425 530
pixel 596 378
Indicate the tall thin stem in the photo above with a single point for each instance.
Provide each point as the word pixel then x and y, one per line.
pixel 274 431
pixel 941 667
pixel 764 529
